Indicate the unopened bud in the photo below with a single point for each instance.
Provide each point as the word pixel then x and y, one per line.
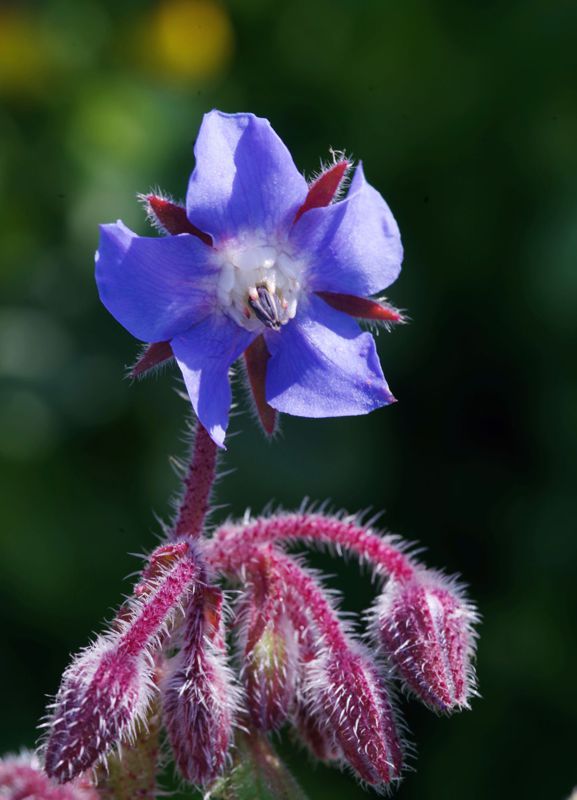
pixel 270 673
pixel 107 688
pixel 426 629
pixel 199 695
pixel 102 693
pixel 350 700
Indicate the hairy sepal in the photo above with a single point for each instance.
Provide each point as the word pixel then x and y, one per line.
pixel 152 356
pixel 170 217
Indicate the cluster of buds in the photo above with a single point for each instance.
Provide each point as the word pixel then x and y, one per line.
pixel 295 661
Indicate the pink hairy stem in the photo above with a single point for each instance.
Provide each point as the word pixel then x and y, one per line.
pixel 157 607
pixel 232 543
pixel 198 484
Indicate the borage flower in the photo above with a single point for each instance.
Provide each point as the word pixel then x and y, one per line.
pixel 261 264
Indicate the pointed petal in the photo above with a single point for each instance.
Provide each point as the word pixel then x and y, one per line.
pixel 204 354
pixel 155 287
pixel 354 245
pixel 244 179
pixel 322 366
pixel 322 191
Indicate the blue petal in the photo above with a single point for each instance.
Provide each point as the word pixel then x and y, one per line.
pixel 204 355
pixel 244 179
pixel 321 365
pixel 155 287
pixel 353 246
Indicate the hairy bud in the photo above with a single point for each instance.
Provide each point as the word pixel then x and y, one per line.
pixel 426 628
pixel 270 650
pixel 199 695
pixel 349 698
pixel 23 777
pixel 107 687
pixel 101 695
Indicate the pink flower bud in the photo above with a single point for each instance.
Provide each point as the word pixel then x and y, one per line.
pixel 199 695
pixel 341 686
pixel 426 628
pixel 350 700
pixel 107 687
pixel 102 693
pixel 270 653
pixel 22 778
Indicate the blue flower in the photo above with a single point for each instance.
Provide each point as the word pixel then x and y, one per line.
pixel 266 260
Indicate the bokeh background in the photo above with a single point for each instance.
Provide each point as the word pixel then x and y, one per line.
pixel 465 114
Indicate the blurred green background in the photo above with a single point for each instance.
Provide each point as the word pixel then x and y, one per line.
pixel 465 115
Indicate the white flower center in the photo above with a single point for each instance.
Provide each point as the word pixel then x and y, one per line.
pixel 259 284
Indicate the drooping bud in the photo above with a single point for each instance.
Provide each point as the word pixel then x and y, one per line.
pixel 426 628
pixel 199 695
pixel 270 653
pixel 22 778
pixel 102 693
pixel 341 685
pixel 349 698
pixel 107 688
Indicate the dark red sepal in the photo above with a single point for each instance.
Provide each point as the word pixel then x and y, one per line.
pixel 153 355
pixel 323 189
pixel 361 307
pixel 172 217
pixel 256 358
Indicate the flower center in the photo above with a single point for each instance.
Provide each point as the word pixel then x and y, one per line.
pixel 259 284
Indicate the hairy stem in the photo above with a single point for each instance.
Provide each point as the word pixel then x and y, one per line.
pixel 232 543
pixel 198 484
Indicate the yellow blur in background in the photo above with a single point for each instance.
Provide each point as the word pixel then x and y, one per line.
pixel 23 53
pixel 186 40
